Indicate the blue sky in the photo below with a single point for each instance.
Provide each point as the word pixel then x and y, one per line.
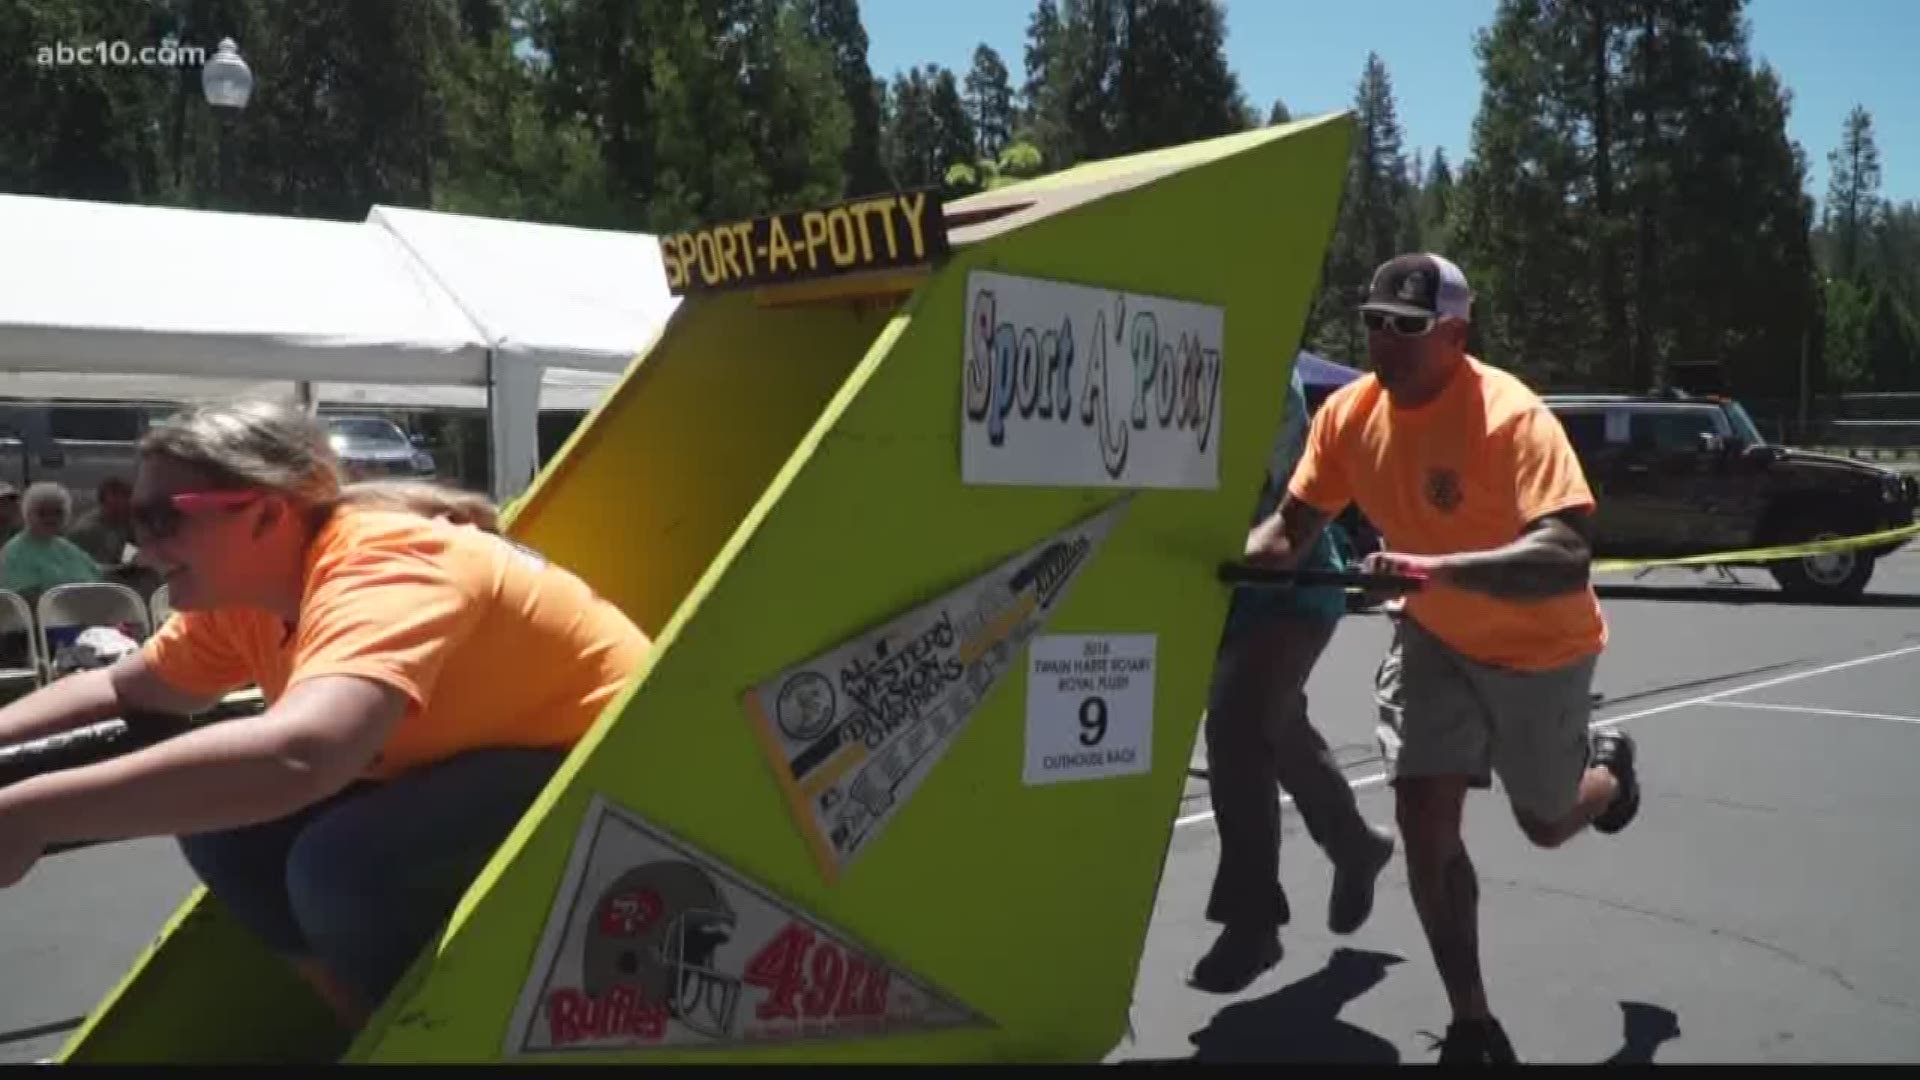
pixel 1832 54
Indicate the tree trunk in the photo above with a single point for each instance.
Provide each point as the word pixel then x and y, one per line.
pixel 1850 213
pixel 177 135
pixel 1613 300
pixel 1127 126
pixel 1641 364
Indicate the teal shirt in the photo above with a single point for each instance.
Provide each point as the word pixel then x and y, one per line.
pixel 1330 552
pixel 30 567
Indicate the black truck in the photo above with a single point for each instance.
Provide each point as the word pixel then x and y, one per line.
pixel 1678 475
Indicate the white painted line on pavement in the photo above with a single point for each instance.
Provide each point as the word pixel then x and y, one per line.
pixel 1847 713
pixel 1376 779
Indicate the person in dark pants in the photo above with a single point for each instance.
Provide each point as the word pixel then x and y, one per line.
pixel 1259 740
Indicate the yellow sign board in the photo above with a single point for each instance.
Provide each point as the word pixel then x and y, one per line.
pixel 884 232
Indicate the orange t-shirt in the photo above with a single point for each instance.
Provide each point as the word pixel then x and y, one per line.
pixel 492 645
pixel 1467 471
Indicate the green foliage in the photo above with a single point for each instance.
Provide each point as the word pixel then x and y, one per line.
pixel 1632 203
pixel 1111 77
pixel 1374 220
pixel 1019 161
pixel 836 23
pixel 704 111
pixel 506 156
pixel 989 100
pixel 1846 334
pixel 1853 192
pixel 912 130
pixel 1435 212
pixel 83 132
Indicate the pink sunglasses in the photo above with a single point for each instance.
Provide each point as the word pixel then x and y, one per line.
pixel 160 518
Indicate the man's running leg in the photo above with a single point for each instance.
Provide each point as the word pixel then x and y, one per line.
pixel 1446 892
pixel 1436 736
pixel 1558 777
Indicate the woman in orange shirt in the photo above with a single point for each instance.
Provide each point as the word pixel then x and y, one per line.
pixel 424 680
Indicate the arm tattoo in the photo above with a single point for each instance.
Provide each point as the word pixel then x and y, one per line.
pixel 1552 558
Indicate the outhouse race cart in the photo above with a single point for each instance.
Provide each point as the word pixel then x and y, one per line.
pixel 925 507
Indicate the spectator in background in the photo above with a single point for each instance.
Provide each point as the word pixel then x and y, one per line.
pixel 106 531
pixel 39 557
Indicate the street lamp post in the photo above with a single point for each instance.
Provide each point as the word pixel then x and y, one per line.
pixel 227 83
pixel 226 79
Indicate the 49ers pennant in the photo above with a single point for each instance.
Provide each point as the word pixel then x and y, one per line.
pixel 653 944
pixel 853 732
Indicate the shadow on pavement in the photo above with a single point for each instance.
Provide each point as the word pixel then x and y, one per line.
pixel 1301 1022
pixel 1645 1027
pixel 1726 595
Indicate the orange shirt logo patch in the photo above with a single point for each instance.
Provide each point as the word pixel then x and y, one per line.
pixel 1443 489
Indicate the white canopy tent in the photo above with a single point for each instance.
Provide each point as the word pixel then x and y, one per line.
pixel 409 308
pixel 560 388
pixel 109 288
pixel 547 299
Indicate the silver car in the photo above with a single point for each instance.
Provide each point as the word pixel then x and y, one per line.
pixel 371 447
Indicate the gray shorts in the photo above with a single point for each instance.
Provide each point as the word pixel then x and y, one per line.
pixel 1442 714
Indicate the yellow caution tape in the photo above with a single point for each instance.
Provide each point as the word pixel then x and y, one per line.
pixel 1769 554
pixel 1751 555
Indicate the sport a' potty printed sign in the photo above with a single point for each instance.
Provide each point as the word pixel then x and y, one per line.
pixel 1075 386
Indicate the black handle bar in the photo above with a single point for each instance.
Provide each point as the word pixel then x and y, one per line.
pixel 1266 577
pixel 86 746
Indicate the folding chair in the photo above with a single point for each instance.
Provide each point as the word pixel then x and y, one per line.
pixel 21 669
pixel 160 604
pixel 66 610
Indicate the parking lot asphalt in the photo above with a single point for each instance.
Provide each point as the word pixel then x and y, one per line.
pixel 1755 912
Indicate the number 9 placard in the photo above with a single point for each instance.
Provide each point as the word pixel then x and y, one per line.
pixel 1089 707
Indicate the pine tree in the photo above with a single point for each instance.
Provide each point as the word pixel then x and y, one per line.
pixel 954 138
pixel 1172 82
pixel 505 157
pixel 989 101
pixel 1853 192
pixel 1517 230
pixel 1632 206
pixel 1373 222
pixel 1041 55
pixel 836 23
pixel 1108 77
pixel 1436 205
pixel 914 133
